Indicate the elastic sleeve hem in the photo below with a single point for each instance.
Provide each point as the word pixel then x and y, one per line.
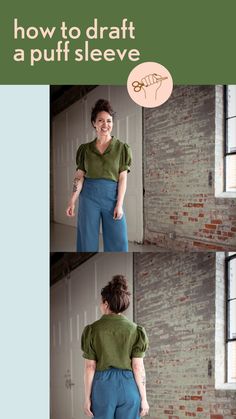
pixel 138 354
pixel 123 168
pixel 125 158
pixel 80 156
pixel 89 356
pixel 80 167
pixel 86 344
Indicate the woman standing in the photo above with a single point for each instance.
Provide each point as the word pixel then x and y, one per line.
pixel 100 183
pixel 113 348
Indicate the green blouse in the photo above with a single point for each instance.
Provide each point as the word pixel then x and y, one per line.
pixel 116 158
pixel 113 341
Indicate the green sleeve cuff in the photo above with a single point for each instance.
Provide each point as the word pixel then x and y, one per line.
pixel 126 158
pixel 87 344
pixel 89 356
pixel 138 354
pixel 80 156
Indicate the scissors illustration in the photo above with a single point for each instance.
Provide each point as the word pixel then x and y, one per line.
pixel 147 81
pixel 137 86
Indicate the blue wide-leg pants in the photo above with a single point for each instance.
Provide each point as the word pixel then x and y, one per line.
pixel 96 204
pixel 115 395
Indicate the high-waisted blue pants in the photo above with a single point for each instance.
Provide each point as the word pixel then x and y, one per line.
pixel 96 203
pixel 115 395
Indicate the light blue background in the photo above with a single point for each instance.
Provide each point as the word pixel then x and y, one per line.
pixel 24 275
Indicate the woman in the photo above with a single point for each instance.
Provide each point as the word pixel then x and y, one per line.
pixel 100 181
pixel 113 348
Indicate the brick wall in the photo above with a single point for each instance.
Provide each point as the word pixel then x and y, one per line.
pixel 180 207
pixel 175 302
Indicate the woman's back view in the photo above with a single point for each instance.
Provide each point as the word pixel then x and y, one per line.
pixel 114 348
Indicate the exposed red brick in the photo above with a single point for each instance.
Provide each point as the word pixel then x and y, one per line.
pixel 196 397
pixel 217 417
pixel 168 412
pixel 179 196
pixel 184 298
pixel 174 217
pixel 208 246
pixel 200 409
pixel 190 195
pixel 198 205
pixel 224 238
pixel 144 273
pixel 198 342
pixel 210 226
pixel 233 229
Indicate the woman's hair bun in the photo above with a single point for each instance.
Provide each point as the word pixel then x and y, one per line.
pixel 116 294
pixel 119 283
pixel 102 105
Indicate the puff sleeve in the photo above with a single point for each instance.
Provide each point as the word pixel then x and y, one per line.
pixel 141 344
pixel 125 158
pixel 80 157
pixel 87 344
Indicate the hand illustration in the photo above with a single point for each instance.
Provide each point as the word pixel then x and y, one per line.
pixel 150 80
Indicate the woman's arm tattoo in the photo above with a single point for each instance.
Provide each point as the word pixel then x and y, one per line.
pixel 75 184
pixel 143 378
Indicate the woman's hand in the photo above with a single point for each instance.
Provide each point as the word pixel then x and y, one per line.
pixel 118 212
pixel 77 187
pixel 144 408
pixel 87 408
pixel 70 212
pixel 122 182
pixel 140 378
pixel 89 371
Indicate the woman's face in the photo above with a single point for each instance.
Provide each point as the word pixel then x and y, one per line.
pixel 103 124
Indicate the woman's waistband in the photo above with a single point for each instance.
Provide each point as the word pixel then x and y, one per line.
pixel 100 186
pixel 114 371
pixel 104 181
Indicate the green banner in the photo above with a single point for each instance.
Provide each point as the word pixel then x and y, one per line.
pixel 74 42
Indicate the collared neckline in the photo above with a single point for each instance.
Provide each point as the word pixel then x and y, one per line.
pixel 113 316
pixel 108 149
